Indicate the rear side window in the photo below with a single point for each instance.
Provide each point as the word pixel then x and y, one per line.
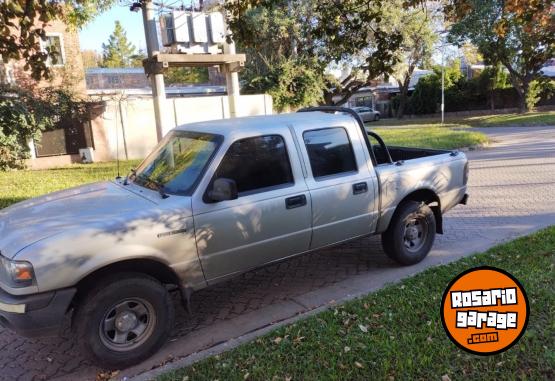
pixel 257 163
pixel 330 152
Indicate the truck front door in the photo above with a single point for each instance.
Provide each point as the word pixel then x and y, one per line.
pixel 271 218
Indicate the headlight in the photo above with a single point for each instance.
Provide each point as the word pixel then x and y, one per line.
pixel 16 273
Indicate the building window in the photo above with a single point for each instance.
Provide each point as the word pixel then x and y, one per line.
pixel 365 101
pixel 53 45
pixel 6 74
pixel 113 79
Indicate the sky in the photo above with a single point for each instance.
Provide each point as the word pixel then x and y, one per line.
pixel 94 34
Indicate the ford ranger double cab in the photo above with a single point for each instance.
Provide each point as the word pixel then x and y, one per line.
pixel 213 200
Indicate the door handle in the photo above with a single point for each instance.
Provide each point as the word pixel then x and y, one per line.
pixel 359 188
pixel 295 201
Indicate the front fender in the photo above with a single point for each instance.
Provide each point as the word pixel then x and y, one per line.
pixel 64 259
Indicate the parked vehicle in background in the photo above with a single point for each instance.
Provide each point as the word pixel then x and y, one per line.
pixel 213 200
pixel 367 114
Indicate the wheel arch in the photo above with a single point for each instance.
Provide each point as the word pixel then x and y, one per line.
pixel 146 266
pixel 428 197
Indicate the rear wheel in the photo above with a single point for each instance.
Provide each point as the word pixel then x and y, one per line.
pixel 124 320
pixel 377 117
pixel 411 233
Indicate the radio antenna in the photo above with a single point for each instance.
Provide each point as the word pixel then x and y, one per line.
pixel 117 144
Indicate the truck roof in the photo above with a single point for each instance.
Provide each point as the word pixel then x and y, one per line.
pixel 258 123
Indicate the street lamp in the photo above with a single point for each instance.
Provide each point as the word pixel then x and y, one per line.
pixel 442 83
pixel 443 33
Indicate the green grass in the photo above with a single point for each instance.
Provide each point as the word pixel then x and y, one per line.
pixel 506 120
pixel 432 137
pixel 405 339
pixel 546 118
pixel 17 186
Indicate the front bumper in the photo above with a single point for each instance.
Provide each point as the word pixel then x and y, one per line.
pixel 35 315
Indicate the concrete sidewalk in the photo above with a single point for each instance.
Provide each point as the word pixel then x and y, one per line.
pixel 512 193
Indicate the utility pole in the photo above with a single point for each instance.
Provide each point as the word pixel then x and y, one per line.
pixel 442 83
pixel 232 83
pixel 156 79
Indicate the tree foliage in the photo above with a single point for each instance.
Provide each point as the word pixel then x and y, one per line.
pixel 118 51
pixel 185 75
pixel 292 37
pixel 23 22
pixel 518 34
pixel 91 58
pixel 491 86
pixel 24 115
pixel 418 38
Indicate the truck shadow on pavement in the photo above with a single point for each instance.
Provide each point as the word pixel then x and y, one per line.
pixel 47 358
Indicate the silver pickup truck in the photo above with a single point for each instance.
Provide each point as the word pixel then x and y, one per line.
pixel 213 200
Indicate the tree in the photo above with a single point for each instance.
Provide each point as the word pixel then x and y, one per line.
pixel 271 36
pixel 118 52
pixel 427 92
pixel 418 38
pixel 91 58
pixel 23 22
pixel 137 58
pixel 519 35
pixel 290 45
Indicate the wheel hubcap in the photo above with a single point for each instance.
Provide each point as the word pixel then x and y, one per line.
pixel 416 232
pixel 127 325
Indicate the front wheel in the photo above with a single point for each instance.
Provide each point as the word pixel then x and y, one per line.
pixel 124 320
pixel 411 233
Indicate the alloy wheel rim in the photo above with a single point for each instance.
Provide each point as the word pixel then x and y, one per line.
pixel 415 232
pixel 128 324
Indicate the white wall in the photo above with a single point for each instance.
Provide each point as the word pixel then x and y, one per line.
pixel 138 134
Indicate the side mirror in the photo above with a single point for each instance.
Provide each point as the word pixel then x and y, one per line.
pixel 223 189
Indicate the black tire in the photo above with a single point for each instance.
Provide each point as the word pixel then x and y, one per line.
pixel 376 118
pixel 411 233
pixel 124 295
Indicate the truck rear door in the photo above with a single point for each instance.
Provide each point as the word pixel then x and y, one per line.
pixel 342 184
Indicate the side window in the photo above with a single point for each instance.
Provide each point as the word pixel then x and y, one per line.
pixel 330 151
pixel 257 163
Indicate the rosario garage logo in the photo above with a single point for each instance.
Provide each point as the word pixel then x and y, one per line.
pixel 485 310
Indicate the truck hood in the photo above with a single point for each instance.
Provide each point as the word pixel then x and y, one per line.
pixel 30 221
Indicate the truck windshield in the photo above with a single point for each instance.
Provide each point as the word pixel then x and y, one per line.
pixel 177 163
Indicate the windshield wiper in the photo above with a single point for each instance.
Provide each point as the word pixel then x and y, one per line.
pixel 158 185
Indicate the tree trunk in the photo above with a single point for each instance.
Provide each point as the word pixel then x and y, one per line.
pixel 492 99
pixel 522 92
pixel 401 109
pixel 403 90
pixel 521 84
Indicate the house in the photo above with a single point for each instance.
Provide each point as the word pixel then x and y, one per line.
pixel 116 78
pixel 379 94
pixel 60 146
pixel 66 65
pixel 134 80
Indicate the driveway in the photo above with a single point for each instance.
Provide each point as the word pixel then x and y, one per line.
pixel 512 193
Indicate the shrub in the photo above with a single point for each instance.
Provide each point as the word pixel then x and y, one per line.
pixel 24 115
